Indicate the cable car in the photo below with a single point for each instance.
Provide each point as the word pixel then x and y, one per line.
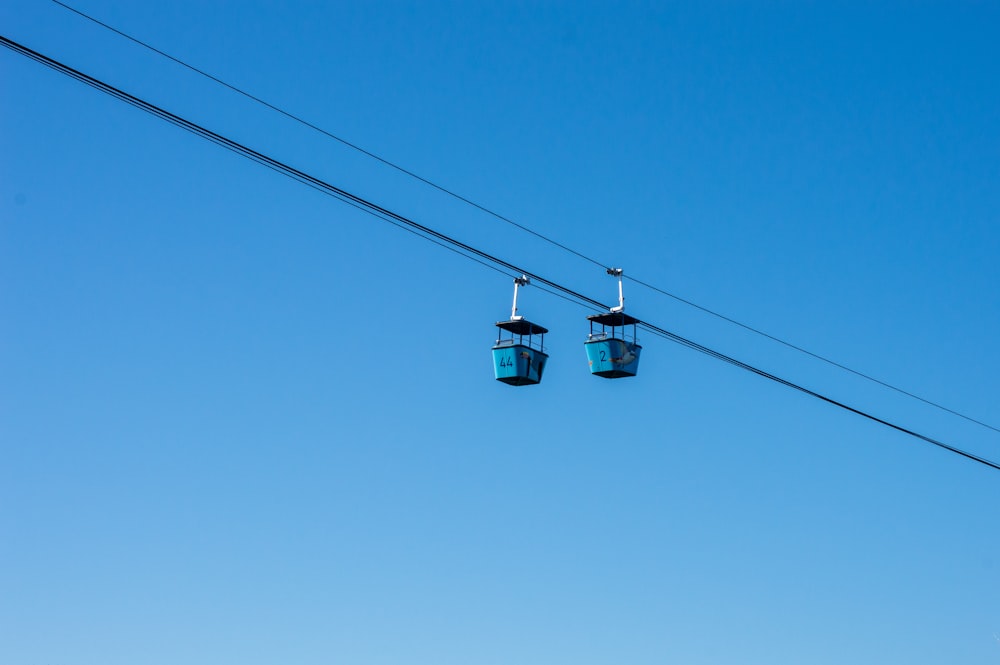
pixel 612 352
pixel 519 359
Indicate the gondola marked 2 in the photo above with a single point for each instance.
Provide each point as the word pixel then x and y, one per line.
pixel 612 352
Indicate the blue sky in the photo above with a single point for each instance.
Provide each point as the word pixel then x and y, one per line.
pixel 241 422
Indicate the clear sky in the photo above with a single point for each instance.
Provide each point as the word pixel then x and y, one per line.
pixel 241 422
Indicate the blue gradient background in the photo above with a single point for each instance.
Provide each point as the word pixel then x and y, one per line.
pixel 241 422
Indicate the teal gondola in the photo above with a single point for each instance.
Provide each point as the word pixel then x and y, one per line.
pixel 613 354
pixel 519 360
pixel 611 351
pixel 519 357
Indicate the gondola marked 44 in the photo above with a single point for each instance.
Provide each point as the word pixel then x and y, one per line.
pixel 519 356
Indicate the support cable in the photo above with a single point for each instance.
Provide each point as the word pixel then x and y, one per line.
pixel 522 227
pixel 507 220
pixel 479 256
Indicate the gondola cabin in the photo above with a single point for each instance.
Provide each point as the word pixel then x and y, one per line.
pixel 519 354
pixel 613 351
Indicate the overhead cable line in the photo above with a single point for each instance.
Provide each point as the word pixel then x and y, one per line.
pixel 480 256
pixel 666 334
pixel 522 227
